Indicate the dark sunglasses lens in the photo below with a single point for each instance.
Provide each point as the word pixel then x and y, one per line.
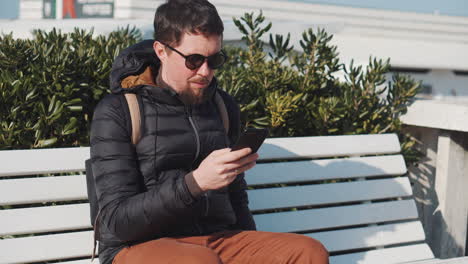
pixel 194 61
pixel 217 60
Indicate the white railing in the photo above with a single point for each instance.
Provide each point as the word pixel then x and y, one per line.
pixel 440 180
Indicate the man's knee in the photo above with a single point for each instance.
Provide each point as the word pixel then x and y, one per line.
pixel 312 248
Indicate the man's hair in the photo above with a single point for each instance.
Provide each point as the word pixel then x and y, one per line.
pixel 176 17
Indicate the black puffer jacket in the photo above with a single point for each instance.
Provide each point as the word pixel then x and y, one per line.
pixel 142 191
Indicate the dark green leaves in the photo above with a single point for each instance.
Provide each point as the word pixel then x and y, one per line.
pixel 297 92
pixel 49 85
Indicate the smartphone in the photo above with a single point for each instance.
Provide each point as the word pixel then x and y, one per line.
pixel 252 138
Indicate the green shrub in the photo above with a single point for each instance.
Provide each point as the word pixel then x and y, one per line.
pixel 298 94
pixel 50 84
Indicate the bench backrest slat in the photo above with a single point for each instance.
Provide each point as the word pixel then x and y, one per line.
pixel 341 216
pixel 76 216
pixel 329 146
pixel 387 255
pixel 43 189
pixel 45 219
pixel 327 169
pixel 42 161
pixel 60 188
pixel 328 194
pixel 43 248
pixel 371 236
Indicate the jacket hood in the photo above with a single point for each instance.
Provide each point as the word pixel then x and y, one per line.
pixel 132 61
pixel 138 65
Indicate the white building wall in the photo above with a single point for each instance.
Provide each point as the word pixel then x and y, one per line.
pixel 30 9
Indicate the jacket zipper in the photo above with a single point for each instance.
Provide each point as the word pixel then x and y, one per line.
pixel 188 110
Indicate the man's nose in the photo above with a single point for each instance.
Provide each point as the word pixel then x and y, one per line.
pixel 204 69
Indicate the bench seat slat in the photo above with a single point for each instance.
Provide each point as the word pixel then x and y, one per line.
pixel 386 255
pixel 41 161
pixel 340 240
pixel 333 240
pixel 49 247
pixel 334 217
pixel 43 189
pixel 371 236
pixel 328 169
pixel 397 255
pixel 329 146
pixel 323 194
pixel 45 219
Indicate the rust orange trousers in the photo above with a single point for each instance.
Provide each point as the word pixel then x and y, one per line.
pixel 229 247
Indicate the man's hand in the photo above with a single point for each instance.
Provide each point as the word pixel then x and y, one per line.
pixel 222 166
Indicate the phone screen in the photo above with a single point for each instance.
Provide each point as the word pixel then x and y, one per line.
pixel 251 138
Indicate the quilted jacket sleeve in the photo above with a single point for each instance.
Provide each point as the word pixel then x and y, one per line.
pixel 129 211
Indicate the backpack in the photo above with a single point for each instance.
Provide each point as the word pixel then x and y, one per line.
pixel 135 116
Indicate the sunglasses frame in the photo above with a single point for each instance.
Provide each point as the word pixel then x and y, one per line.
pixel 186 57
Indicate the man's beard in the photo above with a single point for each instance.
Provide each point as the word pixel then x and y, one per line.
pixel 191 97
pixel 187 96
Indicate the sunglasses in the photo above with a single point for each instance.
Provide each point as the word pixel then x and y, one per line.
pixel 195 61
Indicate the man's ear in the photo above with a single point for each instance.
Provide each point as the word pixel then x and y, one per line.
pixel 160 50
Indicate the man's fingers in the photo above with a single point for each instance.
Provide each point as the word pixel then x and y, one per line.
pixel 220 152
pixel 234 155
pixel 242 162
pixel 242 169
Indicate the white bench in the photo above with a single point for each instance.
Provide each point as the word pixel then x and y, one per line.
pixel 350 192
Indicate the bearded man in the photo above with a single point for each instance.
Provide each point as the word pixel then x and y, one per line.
pixel 179 194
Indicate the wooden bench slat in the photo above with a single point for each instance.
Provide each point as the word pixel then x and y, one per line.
pixel 45 219
pixel 41 161
pixel 70 217
pixel 328 169
pixel 454 260
pixel 42 248
pixel 372 236
pixel 71 159
pixel 323 194
pixel 333 240
pixel 259 199
pixel 43 189
pixel 386 255
pixel 334 217
pixel 63 188
pixel 49 247
pixel 329 146
pixel 356 258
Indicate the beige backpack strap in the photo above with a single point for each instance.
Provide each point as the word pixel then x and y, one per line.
pixel 223 111
pixel 135 116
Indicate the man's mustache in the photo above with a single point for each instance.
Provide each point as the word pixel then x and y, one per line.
pixel 200 79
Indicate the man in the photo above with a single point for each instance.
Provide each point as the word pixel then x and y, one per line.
pixel 179 194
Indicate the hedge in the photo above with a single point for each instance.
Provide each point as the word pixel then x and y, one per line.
pixel 50 84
